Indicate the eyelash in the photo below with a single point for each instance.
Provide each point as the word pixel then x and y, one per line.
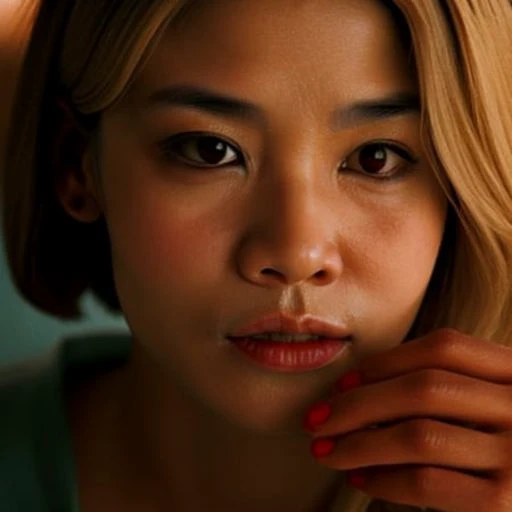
pixel 169 149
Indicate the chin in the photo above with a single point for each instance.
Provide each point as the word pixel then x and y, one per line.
pixel 264 408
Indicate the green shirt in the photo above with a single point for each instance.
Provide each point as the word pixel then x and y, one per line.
pixel 37 471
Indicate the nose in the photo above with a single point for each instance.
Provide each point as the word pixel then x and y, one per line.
pixel 293 240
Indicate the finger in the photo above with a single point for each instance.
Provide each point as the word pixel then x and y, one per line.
pixel 434 488
pixel 445 349
pixel 420 441
pixel 425 393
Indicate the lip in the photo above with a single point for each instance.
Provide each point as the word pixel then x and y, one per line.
pixel 291 357
pixel 284 323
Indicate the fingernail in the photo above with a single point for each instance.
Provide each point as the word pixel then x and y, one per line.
pixel 356 478
pixel 322 447
pixel 350 380
pixel 317 415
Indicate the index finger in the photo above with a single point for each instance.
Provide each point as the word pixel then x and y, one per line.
pixel 445 349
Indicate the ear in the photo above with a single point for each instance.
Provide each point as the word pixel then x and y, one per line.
pixel 74 165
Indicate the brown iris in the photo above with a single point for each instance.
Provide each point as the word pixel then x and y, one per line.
pixel 373 158
pixel 210 149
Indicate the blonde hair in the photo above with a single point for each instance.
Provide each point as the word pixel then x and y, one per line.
pixel 15 21
pixel 463 55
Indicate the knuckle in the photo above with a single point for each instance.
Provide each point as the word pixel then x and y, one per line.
pixel 425 480
pixel 426 385
pixel 420 437
pixel 447 343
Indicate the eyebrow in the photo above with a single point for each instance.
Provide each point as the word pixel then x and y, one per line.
pixel 199 98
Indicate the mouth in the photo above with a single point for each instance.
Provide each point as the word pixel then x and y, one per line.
pixel 291 354
pixel 282 327
pixel 287 344
pixel 283 337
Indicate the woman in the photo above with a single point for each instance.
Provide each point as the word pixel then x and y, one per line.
pixel 273 194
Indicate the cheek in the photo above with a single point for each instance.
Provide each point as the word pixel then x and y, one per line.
pixel 410 246
pixel 159 242
pixel 161 239
pixel 400 248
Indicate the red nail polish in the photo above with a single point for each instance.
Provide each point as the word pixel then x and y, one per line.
pixel 350 380
pixel 317 415
pixel 356 479
pixel 322 447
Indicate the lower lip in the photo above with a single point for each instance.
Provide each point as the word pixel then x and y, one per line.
pixel 291 357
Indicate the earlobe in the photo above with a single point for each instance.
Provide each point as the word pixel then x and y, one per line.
pixel 77 201
pixel 77 192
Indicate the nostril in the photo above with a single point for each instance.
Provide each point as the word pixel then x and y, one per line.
pixel 321 274
pixel 322 277
pixel 274 274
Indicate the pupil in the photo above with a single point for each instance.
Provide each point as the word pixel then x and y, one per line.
pixel 211 150
pixel 373 158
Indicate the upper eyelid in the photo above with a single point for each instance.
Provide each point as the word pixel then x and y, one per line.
pixel 196 135
pixel 392 146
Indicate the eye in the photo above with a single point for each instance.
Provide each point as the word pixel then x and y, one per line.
pixel 380 160
pixel 201 150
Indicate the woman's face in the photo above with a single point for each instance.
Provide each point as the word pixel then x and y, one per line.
pixel 291 207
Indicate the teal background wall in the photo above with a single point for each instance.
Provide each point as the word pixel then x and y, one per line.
pixel 24 331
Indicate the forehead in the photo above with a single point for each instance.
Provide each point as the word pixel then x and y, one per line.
pixel 259 45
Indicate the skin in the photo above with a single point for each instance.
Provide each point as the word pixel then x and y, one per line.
pixel 190 245
pixel 442 395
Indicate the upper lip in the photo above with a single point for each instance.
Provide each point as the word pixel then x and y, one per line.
pixel 284 323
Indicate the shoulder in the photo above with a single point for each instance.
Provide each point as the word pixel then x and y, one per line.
pixel 24 394
pixel 20 385
pixel 36 463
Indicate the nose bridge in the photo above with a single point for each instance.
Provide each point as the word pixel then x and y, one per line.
pixel 296 184
pixel 293 209
pixel 293 235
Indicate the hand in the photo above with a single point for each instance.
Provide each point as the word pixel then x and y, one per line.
pixel 429 426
